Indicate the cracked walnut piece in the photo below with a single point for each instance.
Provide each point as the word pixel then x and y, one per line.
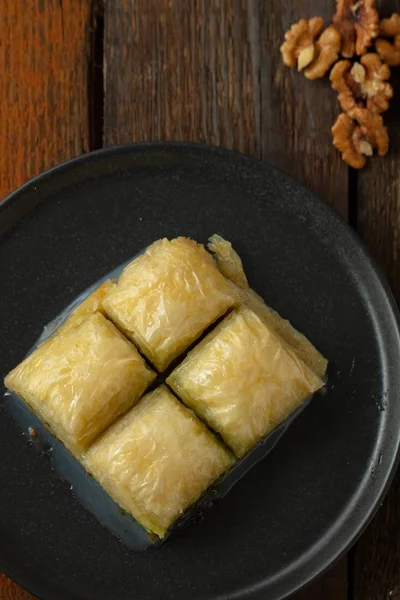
pixel 358 24
pixel 302 47
pixel 327 49
pixel 362 84
pixel 389 52
pixel 356 139
pixel 298 47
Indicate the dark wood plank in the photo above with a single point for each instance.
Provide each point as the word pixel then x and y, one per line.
pixel 44 102
pixel 228 87
pixel 297 114
pixel 331 586
pixel 43 86
pixel 207 93
pixel 213 91
pixel 377 554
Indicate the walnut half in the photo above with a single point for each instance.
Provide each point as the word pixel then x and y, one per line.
pixel 357 138
pixel 362 84
pixel 389 52
pixel 298 47
pixel 303 47
pixel 327 49
pixel 358 24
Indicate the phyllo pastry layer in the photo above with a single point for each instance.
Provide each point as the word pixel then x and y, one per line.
pixel 243 380
pixel 230 265
pixel 91 304
pixel 157 460
pixel 166 297
pixel 81 379
pixel 302 346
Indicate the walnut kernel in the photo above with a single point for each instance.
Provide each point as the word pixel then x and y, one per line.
pixel 303 48
pixel 362 84
pixel 299 40
pixel 366 148
pixel 327 49
pixel 389 52
pixel 357 138
pixel 305 57
pixel 358 24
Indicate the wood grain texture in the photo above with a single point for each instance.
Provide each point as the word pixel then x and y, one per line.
pixel 297 114
pixel 211 72
pixel 190 72
pixel 377 555
pixel 11 591
pixel 331 586
pixel 43 86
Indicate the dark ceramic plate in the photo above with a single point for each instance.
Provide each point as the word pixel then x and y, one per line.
pixel 302 506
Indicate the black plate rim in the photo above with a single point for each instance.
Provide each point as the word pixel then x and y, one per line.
pixel 315 568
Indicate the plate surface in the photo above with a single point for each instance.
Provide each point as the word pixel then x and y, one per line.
pixel 305 503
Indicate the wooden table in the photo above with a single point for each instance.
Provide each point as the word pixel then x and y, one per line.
pixel 77 75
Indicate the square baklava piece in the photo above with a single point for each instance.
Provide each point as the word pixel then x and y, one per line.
pixel 166 297
pixel 243 380
pixel 81 379
pixel 157 460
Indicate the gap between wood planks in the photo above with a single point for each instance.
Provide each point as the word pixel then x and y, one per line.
pixel 96 75
pixel 353 215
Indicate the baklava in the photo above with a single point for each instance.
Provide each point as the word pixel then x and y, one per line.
pixel 166 297
pixel 243 380
pixel 81 379
pixel 157 460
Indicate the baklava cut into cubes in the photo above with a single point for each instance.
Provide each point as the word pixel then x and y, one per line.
pixel 167 297
pixel 157 460
pixel 243 380
pixel 81 379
